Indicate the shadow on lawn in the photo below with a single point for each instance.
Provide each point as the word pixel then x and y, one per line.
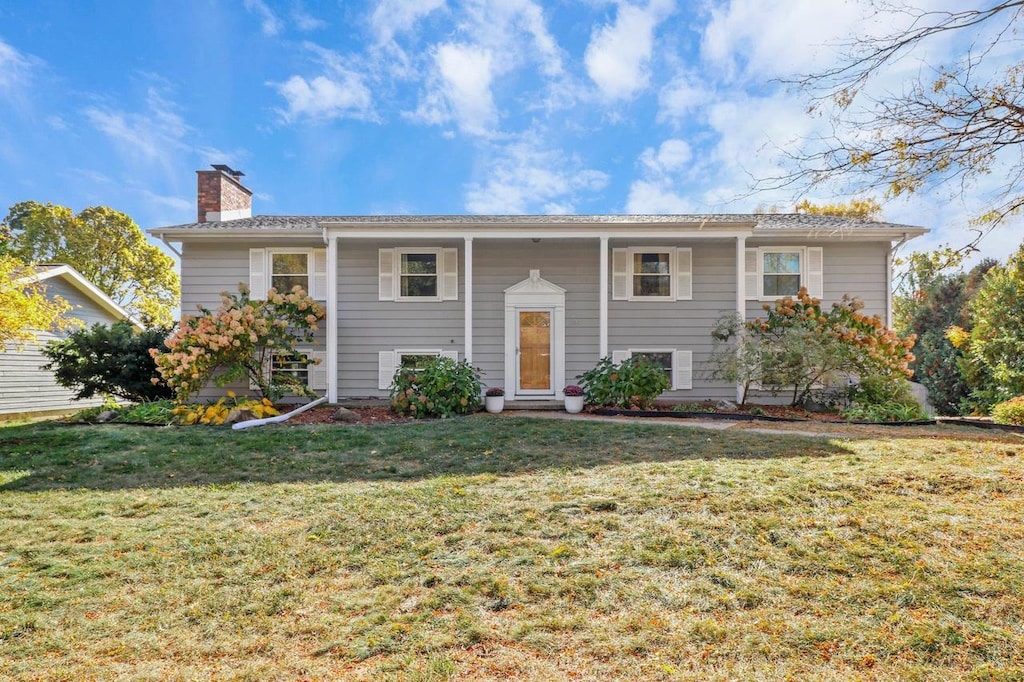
pixel 53 455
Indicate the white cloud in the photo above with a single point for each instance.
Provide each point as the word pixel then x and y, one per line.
pixel 324 98
pixel 646 196
pixel 392 17
pixel 14 66
pixel 681 98
pixel 662 170
pixel 461 90
pixel 528 179
pixel 304 21
pixel 270 25
pixel 151 136
pixel 619 54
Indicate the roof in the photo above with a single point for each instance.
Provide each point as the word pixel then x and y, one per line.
pixel 758 222
pixel 78 281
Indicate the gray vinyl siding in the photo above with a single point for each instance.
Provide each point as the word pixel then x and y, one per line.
pixel 27 388
pixel 209 268
pixel 367 325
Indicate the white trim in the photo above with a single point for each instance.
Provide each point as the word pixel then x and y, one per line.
pixel 78 281
pixel 534 293
pixel 673 271
pixel 221 216
pixel 467 323
pixel 806 274
pixel 602 334
pixel 396 273
pixel 314 290
pixel 741 294
pixel 332 320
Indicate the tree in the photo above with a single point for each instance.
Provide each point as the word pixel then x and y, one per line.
pixel 24 306
pixel 955 123
pixel 104 245
pixel 863 209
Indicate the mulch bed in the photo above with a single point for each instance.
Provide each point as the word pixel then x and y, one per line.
pixel 367 415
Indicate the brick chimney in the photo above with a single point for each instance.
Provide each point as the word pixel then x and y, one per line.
pixel 221 196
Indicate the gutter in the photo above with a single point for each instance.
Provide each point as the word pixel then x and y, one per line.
pixel 279 418
pixel 163 238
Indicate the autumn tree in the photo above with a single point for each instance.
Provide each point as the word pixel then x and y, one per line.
pixel 952 124
pixel 861 209
pixel 105 245
pixel 24 306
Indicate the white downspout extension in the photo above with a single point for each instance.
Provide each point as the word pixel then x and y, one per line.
pixel 332 319
pixel 741 293
pixel 468 323
pixel 603 301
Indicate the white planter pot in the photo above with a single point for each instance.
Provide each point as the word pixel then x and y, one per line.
pixel 573 404
pixel 494 403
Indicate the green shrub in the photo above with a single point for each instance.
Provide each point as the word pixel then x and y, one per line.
pixel 879 398
pixel 112 360
pixel 636 382
pixel 1009 411
pixel 443 388
pixel 153 412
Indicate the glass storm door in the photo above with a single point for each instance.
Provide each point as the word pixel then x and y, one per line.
pixel 534 351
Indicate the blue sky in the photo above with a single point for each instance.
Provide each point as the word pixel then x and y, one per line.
pixel 423 106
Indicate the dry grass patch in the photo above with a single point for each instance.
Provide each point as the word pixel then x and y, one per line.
pixel 508 548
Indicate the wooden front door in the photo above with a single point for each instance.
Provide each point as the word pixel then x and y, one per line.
pixel 535 351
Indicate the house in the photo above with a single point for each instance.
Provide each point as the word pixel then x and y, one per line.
pixel 531 300
pixel 27 390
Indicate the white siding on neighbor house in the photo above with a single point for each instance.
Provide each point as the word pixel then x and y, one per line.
pixel 209 268
pixel 24 386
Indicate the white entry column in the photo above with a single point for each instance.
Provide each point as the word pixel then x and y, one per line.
pixel 468 277
pixel 602 298
pixel 332 319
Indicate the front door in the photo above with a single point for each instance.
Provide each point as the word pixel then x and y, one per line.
pixel 535 357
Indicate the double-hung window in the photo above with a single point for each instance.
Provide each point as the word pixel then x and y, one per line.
pixel 780 273
pixel 289 269
pixel 285 268
pixel 418 274
pixel 299 367
pixel 777 271
pixel 677 364
pixel 652 273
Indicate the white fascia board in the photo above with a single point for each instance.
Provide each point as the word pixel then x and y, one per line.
pixel 94 293
pixel 559 232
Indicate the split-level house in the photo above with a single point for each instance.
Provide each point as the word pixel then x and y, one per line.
pixel 533 301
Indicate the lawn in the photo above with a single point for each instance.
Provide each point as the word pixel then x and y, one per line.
pixel 502 547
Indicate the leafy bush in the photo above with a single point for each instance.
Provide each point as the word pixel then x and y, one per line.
pixel 153 412
pixel 883 398
pixel 237 341
pixel 217 413
pixel 1009 411
pixel 443 388
pixel 112 360
pixel 636 382
pixel 798 347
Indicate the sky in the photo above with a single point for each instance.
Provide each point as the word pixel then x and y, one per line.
pixel 432 106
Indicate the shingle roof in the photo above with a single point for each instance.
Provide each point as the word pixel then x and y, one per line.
pixel 760 221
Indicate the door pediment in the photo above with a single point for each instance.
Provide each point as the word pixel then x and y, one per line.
pixel 532 288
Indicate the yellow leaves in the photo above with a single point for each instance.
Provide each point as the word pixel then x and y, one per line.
pixel 958 336
pixel 217 413
pixel 24 306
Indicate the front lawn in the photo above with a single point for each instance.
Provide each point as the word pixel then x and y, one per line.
pixel 496 548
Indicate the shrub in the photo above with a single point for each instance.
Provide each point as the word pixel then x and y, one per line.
pixel 112 360
pixel 217 413
pixel 1009 411
pixel 883 398
pixel 237 341
pixel 443 388
pixel 636 382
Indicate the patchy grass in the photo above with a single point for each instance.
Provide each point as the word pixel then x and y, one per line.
pixel 492 548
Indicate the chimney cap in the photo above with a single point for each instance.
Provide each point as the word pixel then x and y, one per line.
pixel 228 169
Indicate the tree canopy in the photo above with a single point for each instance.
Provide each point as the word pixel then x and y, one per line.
pixel 105 245
pixel 24 306
pixel 953 124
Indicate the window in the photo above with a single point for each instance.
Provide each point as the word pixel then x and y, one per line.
pixel 288 269
pixel 390 361
pixel 652 274
pixel 416 360
pixel 677 364
pixel 290 367
pixel 780 273
pixel 418 274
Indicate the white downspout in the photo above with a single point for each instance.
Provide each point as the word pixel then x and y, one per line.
pixel 332 318
pixel 602 334
pixel 741 294
pixel 468 321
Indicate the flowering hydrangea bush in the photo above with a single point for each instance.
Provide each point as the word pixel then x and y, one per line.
pixel 798 346
pixel 237 341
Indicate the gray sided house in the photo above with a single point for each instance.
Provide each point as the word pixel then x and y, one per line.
pixel 26 389
pixel 531 300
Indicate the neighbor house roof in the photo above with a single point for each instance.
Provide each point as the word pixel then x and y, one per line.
pixel 78 281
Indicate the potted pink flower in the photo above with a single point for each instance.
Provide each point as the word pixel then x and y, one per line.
pixel 573 398
pixel 494 399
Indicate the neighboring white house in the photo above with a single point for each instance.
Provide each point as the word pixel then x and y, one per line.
pixel 532 300
pixel 27 390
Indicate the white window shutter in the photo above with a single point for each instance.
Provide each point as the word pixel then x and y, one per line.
pixel 815 271
pixel 620 356
pixel 450 274
pixel 387 363
pixel 684 274
pixel 620 274
pixel 318 372
pixel 258 274
pixel 386 276
pixel 752 283
pixel 450 354
pixel 319 278
pixel 682 370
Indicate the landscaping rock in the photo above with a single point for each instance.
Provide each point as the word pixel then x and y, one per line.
pixel 106 416
pixel 726 406
pixel 238 415
pixel 343 414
